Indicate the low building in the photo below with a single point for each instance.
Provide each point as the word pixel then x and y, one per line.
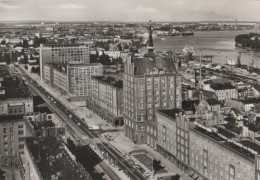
pixel 107 98
pixel 224 91
pixel 12 132
pixel 213 104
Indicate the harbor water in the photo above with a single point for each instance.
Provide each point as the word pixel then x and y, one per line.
pixel 220 44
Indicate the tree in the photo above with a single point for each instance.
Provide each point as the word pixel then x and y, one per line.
pixel 3 41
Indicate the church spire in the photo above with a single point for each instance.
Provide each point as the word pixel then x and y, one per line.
pixel 150 40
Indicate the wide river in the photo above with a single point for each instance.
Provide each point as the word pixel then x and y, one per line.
pixel 220 44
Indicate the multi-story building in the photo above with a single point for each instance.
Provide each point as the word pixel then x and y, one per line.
pixel 73 79
pixel 14 97
pixel 12 132
pixel 62 53
pixel 49 158
pixel 173 136
pixel 224 91
pixel 79 78
pixel 214 156
pixel 150 83
pixel 107 98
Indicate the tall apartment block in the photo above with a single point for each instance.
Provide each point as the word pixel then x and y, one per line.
pixel 12 132
pixel 74 79
pixel 150 83
pixel 62 54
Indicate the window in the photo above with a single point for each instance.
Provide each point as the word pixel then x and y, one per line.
pixel 20 132
pixel 5 130
pixel 5 137
pixel 11 129
pixel 11 136
pixel 231 172
pixel 21 146
pixel 20 126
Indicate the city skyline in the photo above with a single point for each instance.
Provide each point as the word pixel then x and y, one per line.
pixel 133 11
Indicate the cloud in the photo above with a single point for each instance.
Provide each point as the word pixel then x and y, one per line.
pixel 10 6
pixel 67 6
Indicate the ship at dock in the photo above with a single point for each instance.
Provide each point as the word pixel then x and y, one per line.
pixel 231 62
pixel 188 51
pixel 187 33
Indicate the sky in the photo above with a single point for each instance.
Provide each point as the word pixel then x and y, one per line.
pixel 130 10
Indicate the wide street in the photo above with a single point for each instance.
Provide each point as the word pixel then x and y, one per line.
pixel 80 129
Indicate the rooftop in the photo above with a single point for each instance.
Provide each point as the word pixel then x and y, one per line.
pixel 42 124
pixel 142 64
pixel 51 159
pixel 212 101
pixel 14 89
pixel 10 117
pixel 251 145
pixel 42 109
pixel 222 86
pixel 231 144
pixel 250 101
pixel 110 80
pixel 226 133
pixel 170 112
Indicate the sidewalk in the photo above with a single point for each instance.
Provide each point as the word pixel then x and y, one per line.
pixel 124 144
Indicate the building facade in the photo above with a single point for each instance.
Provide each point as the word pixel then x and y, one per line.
pixel 12 132
pixel 73 79
pixel 107 98
pixel 213 156
pixel 173 136
pixel 150 83
pixel 79 78
pixel 224 91
pixel 62 53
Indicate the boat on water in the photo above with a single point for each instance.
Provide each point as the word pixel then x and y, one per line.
pixel 231 62
pixel 188 50
pixel 187 33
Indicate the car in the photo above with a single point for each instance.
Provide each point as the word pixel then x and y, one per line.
pixel 124 154
pixel 146 174
pixel 127 157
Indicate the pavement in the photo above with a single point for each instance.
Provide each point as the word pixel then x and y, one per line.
pixel 120 141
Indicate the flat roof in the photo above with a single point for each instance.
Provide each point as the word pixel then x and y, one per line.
pixel 110 80
pixel 42 124
pixel 170 112
pixel 51 159
pixel 11 117
pixel 225 132
pixel 222 86
pixel 232 146
pixel 42 109
pixel 251 145
pixel 14 89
